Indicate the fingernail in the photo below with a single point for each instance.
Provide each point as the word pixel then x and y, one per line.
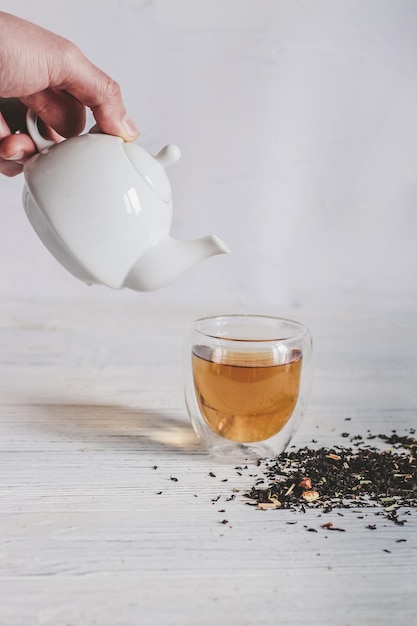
pixel 16 156
pixel 131 131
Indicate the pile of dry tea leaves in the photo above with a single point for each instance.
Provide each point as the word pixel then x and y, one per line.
pixel 343 478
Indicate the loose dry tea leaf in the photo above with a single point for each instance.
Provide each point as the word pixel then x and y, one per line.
pixel 343 478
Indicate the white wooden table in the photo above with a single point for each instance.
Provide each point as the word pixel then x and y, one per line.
pixel 95 530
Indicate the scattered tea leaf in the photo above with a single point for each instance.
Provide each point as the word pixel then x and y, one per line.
pixel 342 478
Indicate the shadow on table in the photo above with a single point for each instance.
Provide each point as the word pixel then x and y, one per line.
pixel 120 427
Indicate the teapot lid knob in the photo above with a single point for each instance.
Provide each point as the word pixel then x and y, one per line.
pixel 152 169
pixel 168 155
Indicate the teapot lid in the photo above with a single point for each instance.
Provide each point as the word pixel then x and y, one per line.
pixel 151 169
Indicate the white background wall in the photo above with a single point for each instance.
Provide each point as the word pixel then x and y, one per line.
pixel 297 121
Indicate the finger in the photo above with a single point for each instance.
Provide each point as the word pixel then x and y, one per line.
pixel 9 168
pixel 9 149
pixel 59 110
pixel 15 150
pixel 101 94
pixel 108 109
pixel 17 147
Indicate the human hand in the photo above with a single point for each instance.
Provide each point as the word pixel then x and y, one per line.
pixel 50 75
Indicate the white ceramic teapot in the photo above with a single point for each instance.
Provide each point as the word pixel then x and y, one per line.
pixel 103 208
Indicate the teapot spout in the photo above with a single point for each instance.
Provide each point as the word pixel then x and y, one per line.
pixel 168 258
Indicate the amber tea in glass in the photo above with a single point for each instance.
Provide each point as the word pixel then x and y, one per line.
pixel 247 383
pixel 245 397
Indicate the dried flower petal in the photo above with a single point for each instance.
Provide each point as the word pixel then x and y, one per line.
pixel 305 483
pixel 310 496
pixel 328 525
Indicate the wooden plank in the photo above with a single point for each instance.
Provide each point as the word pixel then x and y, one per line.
pixel 110 514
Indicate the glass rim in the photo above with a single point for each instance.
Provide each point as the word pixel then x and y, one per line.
pixel 301 333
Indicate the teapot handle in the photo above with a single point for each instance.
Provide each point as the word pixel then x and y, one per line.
pixel 40 142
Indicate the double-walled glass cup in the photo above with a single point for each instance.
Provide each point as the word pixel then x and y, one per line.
pixel 247 383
